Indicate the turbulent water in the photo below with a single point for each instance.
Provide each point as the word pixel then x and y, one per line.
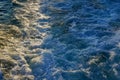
pixel 59 39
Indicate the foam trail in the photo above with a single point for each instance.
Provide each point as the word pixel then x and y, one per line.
pixel 60 40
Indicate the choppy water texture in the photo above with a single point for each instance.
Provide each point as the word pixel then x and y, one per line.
pixel 59 39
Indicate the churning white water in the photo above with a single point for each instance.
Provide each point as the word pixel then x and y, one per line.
pixel 66 39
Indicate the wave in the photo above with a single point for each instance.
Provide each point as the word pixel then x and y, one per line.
pixel 59 40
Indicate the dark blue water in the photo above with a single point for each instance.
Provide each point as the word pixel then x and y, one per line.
pixel 84 40
pixel 1 75
pixel 70 40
